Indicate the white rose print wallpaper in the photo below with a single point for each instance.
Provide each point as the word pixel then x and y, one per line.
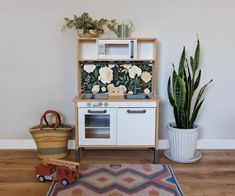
pixel 108 77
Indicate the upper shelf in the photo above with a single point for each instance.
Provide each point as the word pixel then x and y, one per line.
pixel 144 39
pixel 116 61
pixel 110 49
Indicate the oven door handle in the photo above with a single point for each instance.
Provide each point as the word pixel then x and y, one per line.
pixel 97 111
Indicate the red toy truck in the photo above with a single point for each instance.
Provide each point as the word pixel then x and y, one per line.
pixel 62 171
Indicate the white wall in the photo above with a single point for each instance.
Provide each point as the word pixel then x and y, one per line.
pixel 38 61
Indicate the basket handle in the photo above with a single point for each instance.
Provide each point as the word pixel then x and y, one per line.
pixel 55 114
pixel 57 122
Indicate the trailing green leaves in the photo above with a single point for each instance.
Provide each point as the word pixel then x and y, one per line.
pixel 181 88
pixel 87 25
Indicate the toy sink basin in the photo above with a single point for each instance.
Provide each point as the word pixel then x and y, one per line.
pixel 101 96
pixel 137 96
pixel 95 96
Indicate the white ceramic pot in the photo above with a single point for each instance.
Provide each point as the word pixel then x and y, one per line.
pixel 183 142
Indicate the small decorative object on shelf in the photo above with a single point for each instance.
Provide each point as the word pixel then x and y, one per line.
pixel 87 26
pixel 107 49
pixel 124 29
pixel 51 139
pixel 62 171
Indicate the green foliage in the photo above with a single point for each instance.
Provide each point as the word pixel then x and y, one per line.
pixel 87 25
pixel 181 88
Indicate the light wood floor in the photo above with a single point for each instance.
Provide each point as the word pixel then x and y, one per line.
pixel 213 175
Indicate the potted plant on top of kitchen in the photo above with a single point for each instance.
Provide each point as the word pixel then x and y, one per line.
pixel 182 86
pixel 86 26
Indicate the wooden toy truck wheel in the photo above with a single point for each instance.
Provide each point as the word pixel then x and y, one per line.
pixel 64 182
pixel 41 178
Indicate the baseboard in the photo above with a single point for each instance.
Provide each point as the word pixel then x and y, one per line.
pixel 216 144
pixel 163 144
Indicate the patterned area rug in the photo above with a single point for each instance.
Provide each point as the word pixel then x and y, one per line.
pixel 121 180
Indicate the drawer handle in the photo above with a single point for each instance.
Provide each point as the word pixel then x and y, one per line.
pixel 98 111
pixel 136 111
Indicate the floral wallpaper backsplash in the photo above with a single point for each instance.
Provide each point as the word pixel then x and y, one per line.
pixel 103 78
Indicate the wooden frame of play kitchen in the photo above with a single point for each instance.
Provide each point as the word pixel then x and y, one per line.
pixel 117 104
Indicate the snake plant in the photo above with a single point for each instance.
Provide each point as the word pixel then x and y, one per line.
pixel 182 87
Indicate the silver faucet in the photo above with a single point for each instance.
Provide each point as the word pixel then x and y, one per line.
pixel 135 87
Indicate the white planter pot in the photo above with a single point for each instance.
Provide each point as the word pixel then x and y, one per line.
pixel 183 142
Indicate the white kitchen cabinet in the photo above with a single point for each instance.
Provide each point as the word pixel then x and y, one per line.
pixel 97 126
pixel 136 126
pixel 117 126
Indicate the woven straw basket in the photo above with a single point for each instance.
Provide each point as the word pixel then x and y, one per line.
pixel 51 139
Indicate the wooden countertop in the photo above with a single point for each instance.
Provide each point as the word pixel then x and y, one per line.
pixel 115 98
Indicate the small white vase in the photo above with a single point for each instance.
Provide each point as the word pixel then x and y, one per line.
pixel 183 142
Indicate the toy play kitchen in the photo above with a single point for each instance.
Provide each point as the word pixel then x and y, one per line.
pixel 117 105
